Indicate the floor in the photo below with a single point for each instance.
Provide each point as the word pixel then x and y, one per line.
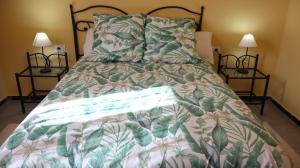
pixel 10 112
pixel 279 121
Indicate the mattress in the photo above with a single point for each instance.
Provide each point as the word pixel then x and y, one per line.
pixel 141 115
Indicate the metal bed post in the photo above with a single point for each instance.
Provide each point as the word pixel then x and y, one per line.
pixel 75 34
pixel 219 61
pixel 199 28
pixel 66 60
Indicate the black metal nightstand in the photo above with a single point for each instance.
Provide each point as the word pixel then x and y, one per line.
pixel 34 70
pixel 244 68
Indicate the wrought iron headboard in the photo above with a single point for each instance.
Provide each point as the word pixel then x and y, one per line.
pixel 86 24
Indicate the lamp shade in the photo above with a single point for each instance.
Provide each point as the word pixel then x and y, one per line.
pixel 248 41
pixel 41 40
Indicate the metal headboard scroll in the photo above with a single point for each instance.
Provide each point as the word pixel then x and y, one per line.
pixel 84 25
pixel 199 25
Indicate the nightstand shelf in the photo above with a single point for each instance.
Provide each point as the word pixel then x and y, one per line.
pixel 31 72
pixel 232 73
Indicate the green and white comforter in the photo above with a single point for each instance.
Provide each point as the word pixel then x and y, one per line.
pixel 141 115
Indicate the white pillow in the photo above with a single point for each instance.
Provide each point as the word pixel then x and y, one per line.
pixel 204 46
pixel 88 44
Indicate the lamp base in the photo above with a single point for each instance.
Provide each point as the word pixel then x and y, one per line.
pixel 45 70
pixel 243 71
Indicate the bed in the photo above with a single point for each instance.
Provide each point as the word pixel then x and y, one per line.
pixel 132 114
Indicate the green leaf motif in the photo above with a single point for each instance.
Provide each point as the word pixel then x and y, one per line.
pixel 116 162
pixel 4 161
pixel 155 113
pixel 96 43
pixel 62 148
pixel 124 36
pixel 178 124
pixel 177 79
pixel 261 133
pixel 190 77
pixel 38 132
pixel 149 67
pixel 163 37
pixel 30 123
pixel 141 135
pixel 150 81
pixel 137 69
pixel 195 110
pixel 53 95
pixel 57 164
pixel 70 90
pixel 100 80
pixel 169 40
pixel 86 93
pixel 116 77
pixel 93 140
pixel 211 154
pixel 74 157
pixel 221 103
pixel 208 104
pixel 126 42
pixel 277 157
pixel 161 127
pixel 98 159
pixel 192 142
pixel 234 156
pixel 198 94
pixel 15 140
pixel 170 47
pixel 196 162
pixel 54 130
pixel 252 160
pixel 144 158
pixel 244 118
pixel 80 68
pixel 132 117
pixel 220 137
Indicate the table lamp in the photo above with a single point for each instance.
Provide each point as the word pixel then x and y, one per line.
pixel 248 41
pixel 42 40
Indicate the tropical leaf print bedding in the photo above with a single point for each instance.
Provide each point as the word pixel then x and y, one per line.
pixel 118 38
pixel 141 115
pixel 170 40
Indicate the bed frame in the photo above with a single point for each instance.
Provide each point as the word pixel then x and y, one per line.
pixel 84 25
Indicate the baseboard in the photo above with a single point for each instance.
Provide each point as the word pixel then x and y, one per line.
pixel 3 101
pixel 18 98
pixel 285 111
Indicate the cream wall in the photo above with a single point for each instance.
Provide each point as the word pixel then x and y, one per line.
pixel 287 68
pixel 227 19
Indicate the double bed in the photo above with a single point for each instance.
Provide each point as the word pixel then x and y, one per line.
pixel 137 114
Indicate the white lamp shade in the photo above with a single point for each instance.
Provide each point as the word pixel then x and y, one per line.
pixel 41 40
pixel 248 41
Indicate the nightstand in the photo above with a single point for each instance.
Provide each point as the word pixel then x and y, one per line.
pixel 35 70
pixel 229 67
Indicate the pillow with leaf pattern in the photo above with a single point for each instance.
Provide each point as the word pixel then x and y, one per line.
pixel 170 40
pixel 118 38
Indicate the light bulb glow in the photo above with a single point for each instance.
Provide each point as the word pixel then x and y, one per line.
pixel 248 40
pixel 41 40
